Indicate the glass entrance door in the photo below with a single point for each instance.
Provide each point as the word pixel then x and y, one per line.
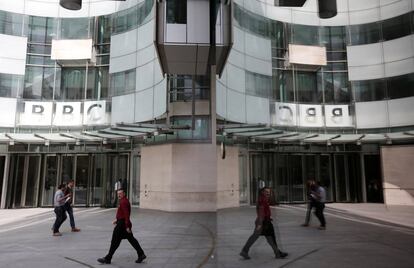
pixel 135 179
pixel 25 185
pixel 81 180
pixel 50 179
pixel 2 166
pixel 31 181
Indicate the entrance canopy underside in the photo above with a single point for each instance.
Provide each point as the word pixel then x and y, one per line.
pixel 263 134
pixel 119 133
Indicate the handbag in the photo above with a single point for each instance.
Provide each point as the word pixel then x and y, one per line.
pixel 267 228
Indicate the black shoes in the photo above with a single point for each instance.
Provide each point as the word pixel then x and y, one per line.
pixel 141 258
pixel 245 255
pixel 104 260
pixel 281 255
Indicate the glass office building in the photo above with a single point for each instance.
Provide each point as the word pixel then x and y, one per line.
pixel 120 90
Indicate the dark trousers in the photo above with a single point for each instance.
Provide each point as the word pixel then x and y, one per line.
pixel 311 205
pixel 271 239
pixel 319 213
pixel 60 218
pixel 69 210
pixel 120 233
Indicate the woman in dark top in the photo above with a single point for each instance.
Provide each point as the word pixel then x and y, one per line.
pixel 263 226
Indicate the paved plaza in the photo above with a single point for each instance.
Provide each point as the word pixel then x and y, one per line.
pixel 212 239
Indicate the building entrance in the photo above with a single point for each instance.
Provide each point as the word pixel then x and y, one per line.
pixel 287 174
pixel 33 179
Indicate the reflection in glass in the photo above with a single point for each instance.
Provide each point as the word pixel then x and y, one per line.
pixel 369 90
pixel 50 180
pixel 72 83
pixel 10 85
pixel 176 11
pixel 81 181
pixel 400 86
pixel 11 23
pixel 307 87
pixel 333 37
pixel 75 28
pixel 41 29
pixel 283 86
pixel 365 33
pixel 123 82
pixel 336 87
pixel 39 83
pixel 305 34
pixel 396 27
pixel 258 84
pixel 32 181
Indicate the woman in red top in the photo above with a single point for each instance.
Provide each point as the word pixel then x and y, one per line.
pixel 263 226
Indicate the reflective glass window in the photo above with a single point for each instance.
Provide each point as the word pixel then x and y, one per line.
pixel 400 86
pixel 39 82
pixel 369 90
pixel 103 30
pixel 336 88
pixel 282 85
pixel 41 29
pixel 305 35
pixel 11 23
pixel 97 86
pixel 39 49
pixel 258 84
pixel 72 83
pixel 10 85
pixel 201 128
pixel 75 28
pixel 123 82
pixel 334 38
pixel 176 11
pixel 364 33
pixel 396 27
pixel 277 34
pixel 306 86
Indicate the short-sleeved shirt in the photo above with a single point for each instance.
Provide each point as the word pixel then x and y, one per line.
pixel 322 194
pixel 58 195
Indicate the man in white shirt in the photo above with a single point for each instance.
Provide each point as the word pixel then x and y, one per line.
pixel 319 195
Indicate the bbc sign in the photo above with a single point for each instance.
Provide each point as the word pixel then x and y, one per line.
pixel 63 113
pixel 308 115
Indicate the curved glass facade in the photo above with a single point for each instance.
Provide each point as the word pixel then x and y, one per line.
pixel 341 83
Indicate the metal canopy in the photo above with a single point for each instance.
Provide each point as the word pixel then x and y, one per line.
pixel 80 137
pixel 258 133
pixel 399 136
pixel 276 136
pixel 347 138
pixel 372 138
pixel 4 138
pixel 122 133
pixel 25 137
pixel 241 130
pixel 321 138
pixel 297 138
pixel 103 135
pixel 137 129
pixel 55 138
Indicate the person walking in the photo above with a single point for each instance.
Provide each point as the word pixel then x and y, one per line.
pixel 68 204
pixel 59 202
pixel 263 226
pixel 311 202
pixel 117 186
pixel 319 194
pixel 123 230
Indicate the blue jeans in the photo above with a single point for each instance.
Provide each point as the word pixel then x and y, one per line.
pixel 69 210
pixel 60 218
